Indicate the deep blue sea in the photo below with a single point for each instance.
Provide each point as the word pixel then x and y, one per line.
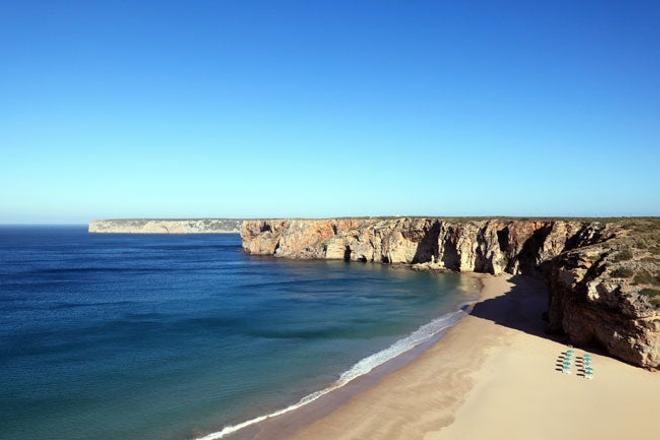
pixel 177 336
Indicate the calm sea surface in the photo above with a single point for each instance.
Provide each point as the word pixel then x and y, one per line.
pixel 161 336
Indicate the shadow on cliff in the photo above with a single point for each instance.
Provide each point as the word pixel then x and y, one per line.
pixel 428 245
pixel 522 308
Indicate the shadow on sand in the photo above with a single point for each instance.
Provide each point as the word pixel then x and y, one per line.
pixel 522 308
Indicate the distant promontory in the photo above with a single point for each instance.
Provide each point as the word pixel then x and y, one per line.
pixel 166 226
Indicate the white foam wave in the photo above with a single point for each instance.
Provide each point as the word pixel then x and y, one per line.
pixel 364 366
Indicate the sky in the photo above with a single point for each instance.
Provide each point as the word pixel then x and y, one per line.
pixel 328 108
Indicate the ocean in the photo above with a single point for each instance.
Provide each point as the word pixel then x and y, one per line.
pixel 182 336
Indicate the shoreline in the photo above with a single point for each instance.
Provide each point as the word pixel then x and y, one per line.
pixel 490 375
pixel 493 376
pixel 286 421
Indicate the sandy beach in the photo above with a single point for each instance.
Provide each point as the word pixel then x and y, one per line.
pixel 493 376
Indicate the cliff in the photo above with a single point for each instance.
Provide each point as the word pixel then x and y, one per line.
pixel 157 226
pixel 603 276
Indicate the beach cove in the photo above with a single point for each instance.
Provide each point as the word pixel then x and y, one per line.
pixel 493 376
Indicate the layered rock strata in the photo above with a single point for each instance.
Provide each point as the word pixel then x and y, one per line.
pixel 603 276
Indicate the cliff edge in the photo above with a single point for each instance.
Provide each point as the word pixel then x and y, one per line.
pixel 603 276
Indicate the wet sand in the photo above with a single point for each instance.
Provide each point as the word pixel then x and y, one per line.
pixel 492 376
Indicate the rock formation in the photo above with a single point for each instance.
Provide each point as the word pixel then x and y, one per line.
pixel 603 276
pixel 156 226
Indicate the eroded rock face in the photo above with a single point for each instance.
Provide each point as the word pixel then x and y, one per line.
pixel 595 295
pixel 494 246
pixel 603 292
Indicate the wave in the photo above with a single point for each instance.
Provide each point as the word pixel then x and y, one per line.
pixel 423 334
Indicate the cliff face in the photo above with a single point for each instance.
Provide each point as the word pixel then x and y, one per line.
pixel 494 246
pixel 153 226
pixel 603 276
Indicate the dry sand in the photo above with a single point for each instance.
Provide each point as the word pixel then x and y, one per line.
pixel 493 376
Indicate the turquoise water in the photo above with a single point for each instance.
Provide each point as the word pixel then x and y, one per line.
pixel 159 337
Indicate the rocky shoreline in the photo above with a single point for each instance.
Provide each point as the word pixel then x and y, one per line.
pixel 603 276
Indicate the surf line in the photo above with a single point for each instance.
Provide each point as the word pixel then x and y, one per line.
pixel 362 367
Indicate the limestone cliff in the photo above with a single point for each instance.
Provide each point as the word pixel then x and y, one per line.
pixel 603 276
pixel 164 226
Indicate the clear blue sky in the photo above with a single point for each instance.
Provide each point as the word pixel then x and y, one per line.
pixel 257 109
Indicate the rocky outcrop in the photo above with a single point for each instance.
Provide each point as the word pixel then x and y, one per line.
pixel 494 246
pixel 602 276
pixel 156 226
pixel 608 292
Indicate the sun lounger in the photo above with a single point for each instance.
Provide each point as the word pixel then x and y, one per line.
pixel 586 368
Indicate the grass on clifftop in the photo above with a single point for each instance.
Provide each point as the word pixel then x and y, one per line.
pixel 654 295
pixel 623 272
pixel 645 277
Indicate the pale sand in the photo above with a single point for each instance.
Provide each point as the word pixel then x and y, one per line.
pixel 493 377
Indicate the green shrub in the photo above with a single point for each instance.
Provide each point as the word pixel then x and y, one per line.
pixel 646 225
pixel 650 292
pixel 624 255
pixel 645 277
pixel 653 294
pixel 622 272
